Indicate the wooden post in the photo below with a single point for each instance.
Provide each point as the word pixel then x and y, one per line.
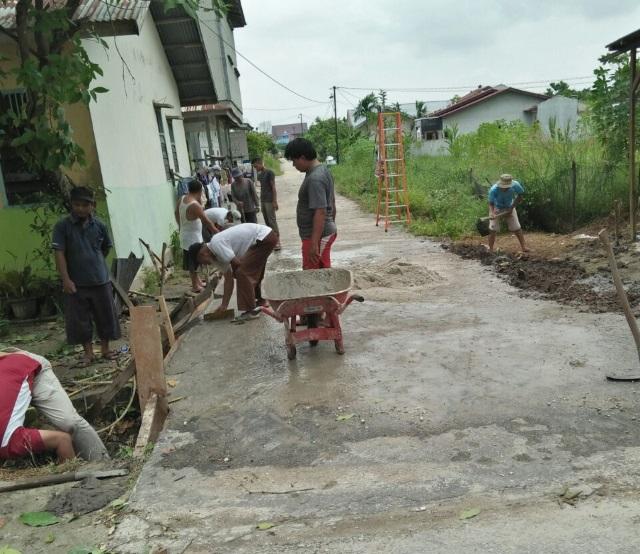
pixel 166 320
pixel 632 147
pixel 146 343
pixel 163 267
pixel 622 295
pixel 574 186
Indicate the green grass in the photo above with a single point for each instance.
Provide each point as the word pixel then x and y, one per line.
pixel 444 190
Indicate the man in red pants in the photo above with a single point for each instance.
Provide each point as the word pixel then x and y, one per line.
pixel 25 379
pixel 316 209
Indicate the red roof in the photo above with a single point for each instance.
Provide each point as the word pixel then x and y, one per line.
pixel 480 95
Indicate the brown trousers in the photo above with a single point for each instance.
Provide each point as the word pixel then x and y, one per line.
pixel 250 272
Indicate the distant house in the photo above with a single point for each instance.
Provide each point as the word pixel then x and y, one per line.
pixel 409 109
pixel 283 134
pixel 134 135
pixel 483 105
pixel 559 113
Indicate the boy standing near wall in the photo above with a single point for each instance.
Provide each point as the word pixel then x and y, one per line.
pixel 81 243
pixel 268 196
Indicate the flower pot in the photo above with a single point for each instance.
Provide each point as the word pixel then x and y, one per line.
pixel 24 308
pixel 48 307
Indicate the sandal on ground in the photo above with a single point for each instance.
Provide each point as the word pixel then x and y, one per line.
pixel 85 362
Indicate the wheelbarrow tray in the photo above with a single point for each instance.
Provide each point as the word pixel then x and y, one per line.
pixel 301 297
pixel 289 289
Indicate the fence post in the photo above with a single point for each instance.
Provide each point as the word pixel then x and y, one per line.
pixel 574 182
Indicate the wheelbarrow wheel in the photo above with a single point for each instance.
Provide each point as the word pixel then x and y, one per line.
pixel 291 351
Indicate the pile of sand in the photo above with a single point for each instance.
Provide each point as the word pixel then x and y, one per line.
pixel 394 273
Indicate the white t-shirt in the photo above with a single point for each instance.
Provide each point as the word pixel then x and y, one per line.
pixel 235 241
pixel 214 192
pixel 217 215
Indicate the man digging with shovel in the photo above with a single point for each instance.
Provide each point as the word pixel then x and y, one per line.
pixel 504 196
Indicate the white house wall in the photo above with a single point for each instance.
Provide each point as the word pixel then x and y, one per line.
pixel 139 197
pixel 508 106
pixel 562 111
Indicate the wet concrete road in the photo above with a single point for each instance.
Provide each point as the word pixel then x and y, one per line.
pixel 454 394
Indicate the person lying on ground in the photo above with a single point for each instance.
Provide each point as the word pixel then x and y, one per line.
pixel 239 252
pixel 191 218
pixel 268 196
pixel 245 196
pixel 25 379
pixel 81 244
pixel 221 218
pixel 504 196
pixel 316 209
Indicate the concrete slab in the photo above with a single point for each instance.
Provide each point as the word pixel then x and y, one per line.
pixel 454 393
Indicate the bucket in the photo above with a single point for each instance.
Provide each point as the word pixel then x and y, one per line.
pixel 483 226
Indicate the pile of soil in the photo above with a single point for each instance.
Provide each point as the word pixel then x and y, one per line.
pixel 572 279
pixel 393 273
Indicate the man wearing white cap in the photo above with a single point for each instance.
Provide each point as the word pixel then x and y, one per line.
pixel 504 196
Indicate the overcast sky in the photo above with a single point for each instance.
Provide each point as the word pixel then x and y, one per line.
pixel 428 44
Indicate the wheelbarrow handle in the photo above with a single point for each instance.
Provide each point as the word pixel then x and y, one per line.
pixel 348 301
pixel 269 311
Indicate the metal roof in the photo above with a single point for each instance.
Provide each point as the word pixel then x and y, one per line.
pixel 627 42
pixel 480 95
pixel 95 11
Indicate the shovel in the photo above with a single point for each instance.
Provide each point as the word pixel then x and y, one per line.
pixel 625 374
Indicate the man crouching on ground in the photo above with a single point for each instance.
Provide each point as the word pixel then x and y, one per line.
pixel 27 378
pixel 240 252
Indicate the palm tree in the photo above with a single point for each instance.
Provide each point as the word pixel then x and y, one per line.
pixel 396 107
pixel 369 104
pixel 421 109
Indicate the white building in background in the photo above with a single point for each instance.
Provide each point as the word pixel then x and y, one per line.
pixel 561 114
pixel 483 105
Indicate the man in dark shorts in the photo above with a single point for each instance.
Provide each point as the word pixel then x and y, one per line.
pixel 316 209
pixel 268 196
pixel 81 243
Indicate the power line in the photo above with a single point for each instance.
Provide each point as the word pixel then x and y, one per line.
pixel 283 109
pixel 578 80
pixel 258 68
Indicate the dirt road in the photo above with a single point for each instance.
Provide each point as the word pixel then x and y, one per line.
pixel 455 394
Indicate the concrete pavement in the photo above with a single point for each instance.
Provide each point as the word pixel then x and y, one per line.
pixel 455 393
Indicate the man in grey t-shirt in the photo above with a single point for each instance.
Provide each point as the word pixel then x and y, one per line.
pixel 316 210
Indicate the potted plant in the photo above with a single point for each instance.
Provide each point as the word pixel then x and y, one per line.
pixel 19 290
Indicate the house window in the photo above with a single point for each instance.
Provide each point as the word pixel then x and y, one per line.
pixel 172 139
pixel 20 185
pixel 163 145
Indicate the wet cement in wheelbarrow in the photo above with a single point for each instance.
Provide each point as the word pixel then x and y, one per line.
pixel 306 284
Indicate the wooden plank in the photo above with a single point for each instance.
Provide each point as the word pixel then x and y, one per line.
pixel 67 477
pixel 171 352
pixel 199 310
pixel 166 320
pixel 153 418
pixel 147 352
pixel 116 385
pixel 121 292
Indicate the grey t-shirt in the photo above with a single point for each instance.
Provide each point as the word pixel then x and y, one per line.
pixel 266 178
pixel 244 192
pixel 316 192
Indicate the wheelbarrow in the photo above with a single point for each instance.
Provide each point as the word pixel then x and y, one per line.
pixel 313 299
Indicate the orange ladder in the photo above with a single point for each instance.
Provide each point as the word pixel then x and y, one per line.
pixel 393 197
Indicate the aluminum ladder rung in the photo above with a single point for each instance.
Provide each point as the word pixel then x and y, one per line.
pixel 397 206
pixel 391 128
pixel 392 144
pixel 395 174
pixel 392 160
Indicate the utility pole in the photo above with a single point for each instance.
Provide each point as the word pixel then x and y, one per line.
pixel 335 119
pixel 301 129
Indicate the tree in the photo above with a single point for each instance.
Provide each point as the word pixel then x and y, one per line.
pixel 421 109
pixel 259 144
pixel 383 99
pixel 368 105
pixel 322 135
pixel 396 107
pixel 562 88
pixel 609 105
